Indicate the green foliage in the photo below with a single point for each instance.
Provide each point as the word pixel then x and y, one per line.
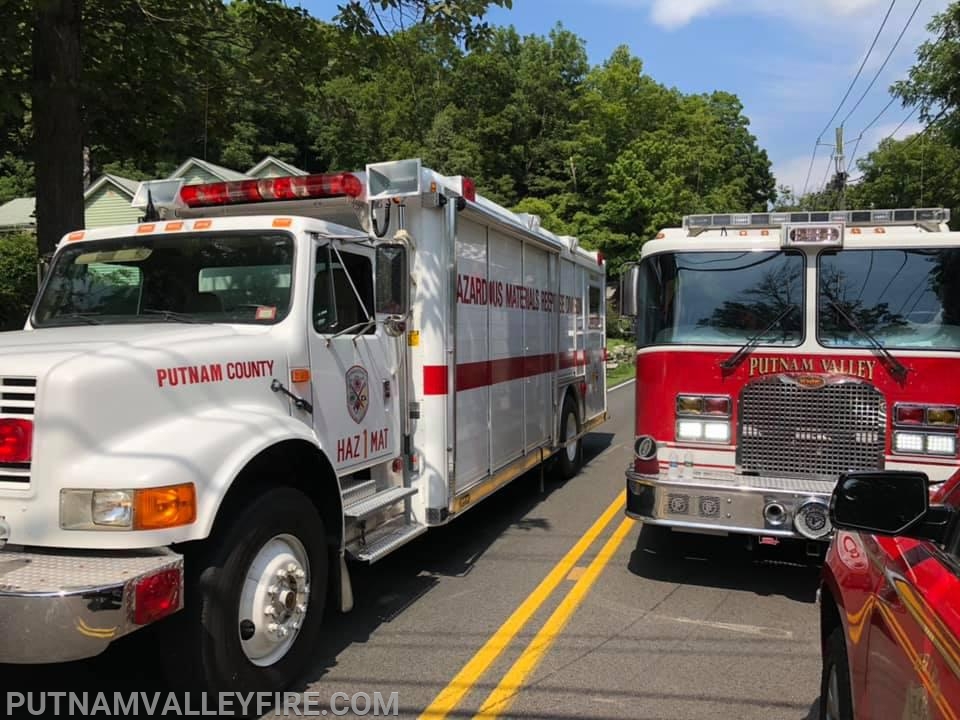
pixel 920 171
pixel 605 153
pixel 18 278
pixel 934 81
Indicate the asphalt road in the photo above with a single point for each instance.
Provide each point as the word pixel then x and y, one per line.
pixel 459 621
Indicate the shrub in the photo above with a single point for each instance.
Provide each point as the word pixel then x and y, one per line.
pixel 18 278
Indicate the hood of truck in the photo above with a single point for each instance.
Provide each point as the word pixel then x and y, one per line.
pixel 101 391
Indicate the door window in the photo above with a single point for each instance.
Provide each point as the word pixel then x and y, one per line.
pixel 343 296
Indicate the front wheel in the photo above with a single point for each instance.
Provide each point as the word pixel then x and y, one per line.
pixel 255 599
pixel 835 696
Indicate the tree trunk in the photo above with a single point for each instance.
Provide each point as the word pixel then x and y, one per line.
pixel 57 122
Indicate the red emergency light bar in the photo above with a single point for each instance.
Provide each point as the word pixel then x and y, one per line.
pixel 293 187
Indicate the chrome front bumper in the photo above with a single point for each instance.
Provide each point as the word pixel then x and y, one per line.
pixel 729 503
pixel 57 606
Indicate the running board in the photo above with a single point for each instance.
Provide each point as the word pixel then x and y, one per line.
pixel 388 542
pixel 369 506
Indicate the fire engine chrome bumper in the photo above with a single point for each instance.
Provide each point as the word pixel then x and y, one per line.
pixel 737 504
pixel 62 605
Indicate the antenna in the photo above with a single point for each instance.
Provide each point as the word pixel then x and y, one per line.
pixel 151 214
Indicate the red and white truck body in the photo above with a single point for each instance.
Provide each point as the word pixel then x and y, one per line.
pixel 272 377
pixel 778 350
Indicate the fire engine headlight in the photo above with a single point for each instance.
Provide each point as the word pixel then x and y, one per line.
pixel 941 445
pixel 696 430
pixel 904 442
pixel 142 509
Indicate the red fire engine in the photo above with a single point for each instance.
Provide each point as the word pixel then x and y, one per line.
pixel 776 351
pixel 889 616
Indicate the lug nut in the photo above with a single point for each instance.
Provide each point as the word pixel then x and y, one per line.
pixel 273 627
pixel 269 610
pixel 273 590
pixel 301 608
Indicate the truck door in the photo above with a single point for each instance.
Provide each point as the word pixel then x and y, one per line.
pixel 593 341
pixel 353 361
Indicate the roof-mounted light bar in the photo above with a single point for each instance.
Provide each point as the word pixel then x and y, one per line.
pixel 292 187
pixel 850 218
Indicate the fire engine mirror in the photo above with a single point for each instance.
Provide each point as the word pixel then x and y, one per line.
pixel 884 502
pixel 393 279
pixel 629 285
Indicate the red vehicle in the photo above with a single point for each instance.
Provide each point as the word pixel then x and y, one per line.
pixel 890 599
pixel 776 351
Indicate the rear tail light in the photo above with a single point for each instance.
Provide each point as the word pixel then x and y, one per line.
pixel 16 440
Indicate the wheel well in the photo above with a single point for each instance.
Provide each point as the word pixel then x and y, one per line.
pixel 292 463
pixel 829 614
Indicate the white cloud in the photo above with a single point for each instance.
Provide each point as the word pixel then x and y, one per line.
pixel 675 14
pixel 793 172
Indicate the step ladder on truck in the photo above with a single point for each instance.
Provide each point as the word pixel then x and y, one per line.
pixel 210 412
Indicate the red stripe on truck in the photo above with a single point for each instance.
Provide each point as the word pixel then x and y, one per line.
pixel 471 376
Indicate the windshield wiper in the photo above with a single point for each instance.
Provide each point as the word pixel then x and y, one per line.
pixel 731 362
pixel 897 368
pixel 172 315
pixel 89 319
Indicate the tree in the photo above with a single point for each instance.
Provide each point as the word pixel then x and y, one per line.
pixel 57 123
pixel 933 83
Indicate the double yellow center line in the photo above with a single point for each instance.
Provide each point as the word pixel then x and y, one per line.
pixel 504 693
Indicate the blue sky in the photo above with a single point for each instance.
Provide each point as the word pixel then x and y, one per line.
pixel 790 62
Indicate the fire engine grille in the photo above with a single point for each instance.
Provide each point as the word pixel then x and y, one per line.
pixel 18 396
pixel 794 431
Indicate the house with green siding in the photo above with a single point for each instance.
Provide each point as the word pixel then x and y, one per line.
pixel 18 215
pixel 271 167
pixel 196 171
pixel 107 202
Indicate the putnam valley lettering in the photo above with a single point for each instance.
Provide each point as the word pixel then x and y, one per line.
pixel 828 366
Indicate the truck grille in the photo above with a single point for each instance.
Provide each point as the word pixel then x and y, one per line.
pixel 790 430
pixel 18 396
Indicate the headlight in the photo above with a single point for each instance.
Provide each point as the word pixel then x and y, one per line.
pixel 141 509
pixel 699 431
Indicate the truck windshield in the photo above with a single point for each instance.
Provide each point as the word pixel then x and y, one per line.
pixel 720 298
pixel 238 277
pixel 905 298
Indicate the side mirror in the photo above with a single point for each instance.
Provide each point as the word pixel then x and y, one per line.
pixel 888 503
pixel 629 284
pixel 393 279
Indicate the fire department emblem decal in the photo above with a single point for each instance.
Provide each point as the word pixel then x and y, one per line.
pixel 358 393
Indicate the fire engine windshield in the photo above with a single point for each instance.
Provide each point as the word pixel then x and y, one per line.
pixel 240 277
pixel 720 298
pixel 905 298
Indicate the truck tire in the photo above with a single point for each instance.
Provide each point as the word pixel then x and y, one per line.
pixel 255 599
pixel 570 458
pixel 835 696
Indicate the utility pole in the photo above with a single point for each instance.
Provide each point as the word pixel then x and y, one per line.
pixel 841 176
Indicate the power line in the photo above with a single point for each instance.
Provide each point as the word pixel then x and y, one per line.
pixel 857 76
pixel 853 83
pixel 884 65
pixel 859 138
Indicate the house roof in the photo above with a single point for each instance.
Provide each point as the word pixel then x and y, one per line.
pixel 270 159
pixel 124 185
pixel 215 170
pixel 18 212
